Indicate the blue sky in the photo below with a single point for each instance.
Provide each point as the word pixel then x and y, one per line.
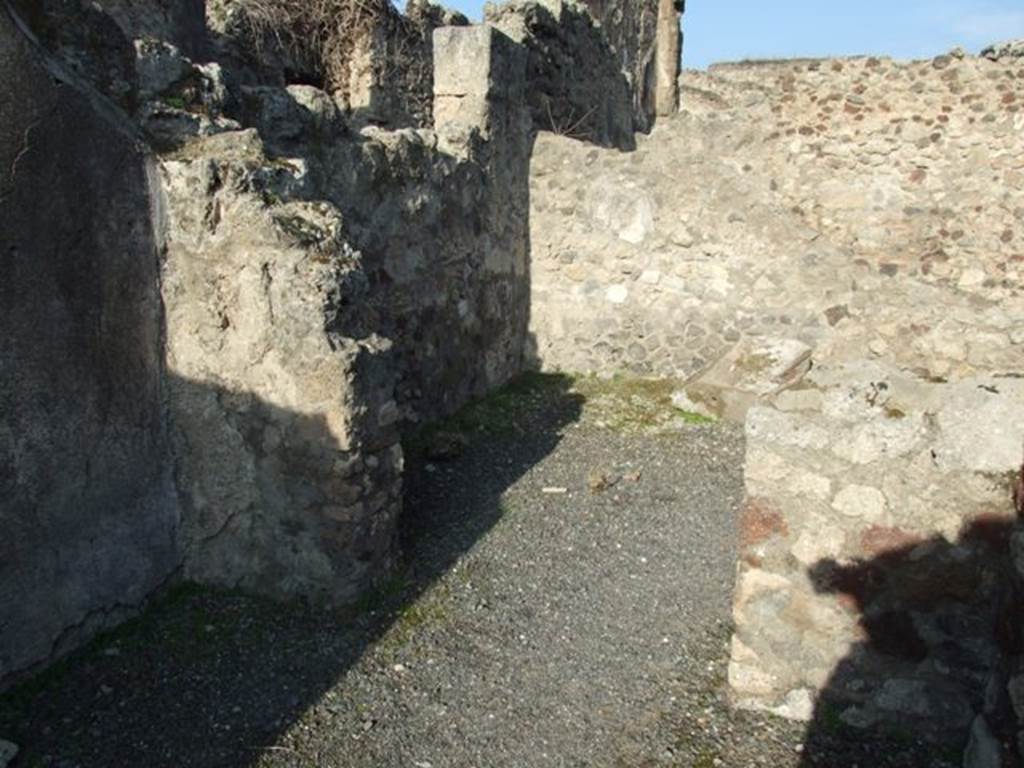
pixel 722 30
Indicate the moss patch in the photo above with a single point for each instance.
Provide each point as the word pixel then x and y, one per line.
pixel 507 410
pixel 632 404
pixel 624 403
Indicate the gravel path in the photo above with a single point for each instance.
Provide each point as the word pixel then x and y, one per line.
pixel 565 603
pixel 563 627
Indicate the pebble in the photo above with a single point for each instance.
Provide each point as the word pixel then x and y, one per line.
pixel 8 751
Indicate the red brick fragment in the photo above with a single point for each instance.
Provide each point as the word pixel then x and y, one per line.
pixel 759 521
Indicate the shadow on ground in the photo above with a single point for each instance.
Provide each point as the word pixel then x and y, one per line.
pixel 938 621
pixel 213 678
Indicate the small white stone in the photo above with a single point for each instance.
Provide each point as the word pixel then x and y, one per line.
pixel 861 501
pixel 799 705
pixel 8 751
pixel 617 294
pixel 650 276
pixel 641 223
pixel 971 278
pixel 878 347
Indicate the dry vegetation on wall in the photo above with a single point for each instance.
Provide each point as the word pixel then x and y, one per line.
pixel 323 35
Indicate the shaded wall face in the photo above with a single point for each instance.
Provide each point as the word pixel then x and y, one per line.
pixel 577 86
pixel 631 27
pixel 441 221
pixel 87 508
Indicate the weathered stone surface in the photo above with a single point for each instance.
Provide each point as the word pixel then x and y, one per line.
pixel 645 37
pixel 577 87
pixel 158 66
pixel 667 55
pixel 323 289
pixel 752 370
pixel 473 69
pixel 981 426
pixel 866 208
pixel 87 505
pixel 292 117
pixel 879 586
pixel 983 749
pixel 1008 49
pixel 269 396
pixel 382 74
pixel 178 22
pixel 304 334
pixel 327 286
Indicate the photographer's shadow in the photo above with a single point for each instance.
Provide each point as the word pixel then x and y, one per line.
pixel 938 623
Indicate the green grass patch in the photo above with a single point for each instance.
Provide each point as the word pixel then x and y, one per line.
pixel 623 402
pixel 634 404
pixel 175 102
pixel 504 411
pixel 385 596
pixel 689 417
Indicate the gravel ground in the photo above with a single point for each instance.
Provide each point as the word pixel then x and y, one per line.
pixel 565 602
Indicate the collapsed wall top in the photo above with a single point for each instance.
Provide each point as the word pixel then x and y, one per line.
pixel 646 39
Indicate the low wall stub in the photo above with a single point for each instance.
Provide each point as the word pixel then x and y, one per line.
pixel 875 547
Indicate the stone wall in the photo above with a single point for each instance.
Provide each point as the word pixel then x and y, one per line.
pixel 87 507
pixel 645 36
pixel 312 289
pixel 875 548
pixel 323 289
pixel 577 87
pixel 284 427
pixel 830 250
pixel 274 291
pixel 439 217
pixel 864 208
pixel 380 71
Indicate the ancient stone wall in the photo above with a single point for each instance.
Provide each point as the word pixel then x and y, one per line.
pixel 376 63
pixel 274 291
pixel 864 208
pixel 286 455
pixel 577 87
pixel 312 288
pixel 875 547
pixel 87 506
pixel 323 288
pixel 645 36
